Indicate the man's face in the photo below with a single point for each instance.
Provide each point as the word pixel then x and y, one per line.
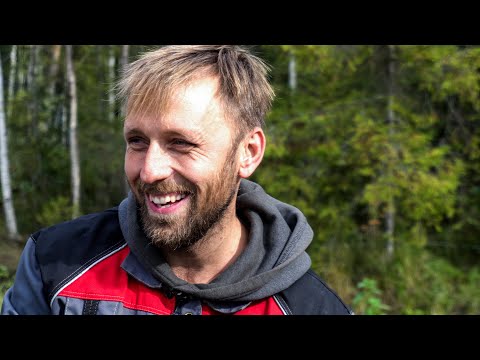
pixel 181 166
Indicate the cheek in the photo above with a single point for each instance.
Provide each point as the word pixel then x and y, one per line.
pixel 132 166
pixel 203 171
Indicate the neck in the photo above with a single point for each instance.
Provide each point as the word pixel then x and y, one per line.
pixel 203 261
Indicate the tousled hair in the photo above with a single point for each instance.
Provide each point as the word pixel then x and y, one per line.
pixel 147 84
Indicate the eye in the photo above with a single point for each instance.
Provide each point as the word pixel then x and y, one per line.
pixel 182 146
pixel 182 143
pixel 136 143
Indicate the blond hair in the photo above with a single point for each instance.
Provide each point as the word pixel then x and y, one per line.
pixel 147 84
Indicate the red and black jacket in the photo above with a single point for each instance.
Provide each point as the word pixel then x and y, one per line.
pixel 85 266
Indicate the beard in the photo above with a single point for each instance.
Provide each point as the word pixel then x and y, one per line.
pixel 205 208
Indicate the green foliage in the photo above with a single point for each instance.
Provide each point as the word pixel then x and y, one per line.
pixel 333 154
pixel 6 281
pixel 55 210
pixel 368 301
pixel 469 292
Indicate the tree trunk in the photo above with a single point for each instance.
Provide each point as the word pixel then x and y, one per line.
pixel 390 212
pixel 292 72
pixel 11 80
pixel 10 219
pixel 53 71
pixel 21 67
pixel 63 124
pixel 54 105
pixel 123 64
pixel 111 80
pixel 124 57
pixel 74 153
pixel 32 88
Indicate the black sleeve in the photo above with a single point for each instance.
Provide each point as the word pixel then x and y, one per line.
pixel 310 295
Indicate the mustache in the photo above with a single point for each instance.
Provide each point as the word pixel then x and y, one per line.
pixel 163 187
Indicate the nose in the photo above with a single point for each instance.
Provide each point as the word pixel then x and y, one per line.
pixel 157 165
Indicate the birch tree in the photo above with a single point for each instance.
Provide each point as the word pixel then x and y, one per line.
pixel 292 72
pixel 124 56
pixel 74 153
pixel 390 212
pixel 111 80
pixel 11 80
pixel 10 219
pixel 123 63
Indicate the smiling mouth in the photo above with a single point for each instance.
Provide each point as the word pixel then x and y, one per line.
pixel 166 200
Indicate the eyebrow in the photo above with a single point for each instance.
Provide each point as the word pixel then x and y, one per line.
pixel 192 134
pixel 132 131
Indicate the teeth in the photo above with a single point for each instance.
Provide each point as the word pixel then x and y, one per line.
pixel 162 200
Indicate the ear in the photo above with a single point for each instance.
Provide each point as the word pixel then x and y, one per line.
pixel 252 149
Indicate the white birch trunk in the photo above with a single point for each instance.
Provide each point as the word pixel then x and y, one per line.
pixel 111 80
pixel 74 153
pixel 11 80
pixel 7 198
pixel 123 64
pixel 390 212
pixel 292 72
pixel 124 57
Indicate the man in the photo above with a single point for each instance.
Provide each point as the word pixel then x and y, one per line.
pixel 194 235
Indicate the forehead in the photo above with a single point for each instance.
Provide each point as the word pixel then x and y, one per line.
pixel 191 107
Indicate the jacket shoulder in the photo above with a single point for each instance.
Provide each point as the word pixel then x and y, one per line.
pixel 64 250
pixel 310 295
pixel 103 228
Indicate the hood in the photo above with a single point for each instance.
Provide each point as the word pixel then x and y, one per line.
pixel 274 258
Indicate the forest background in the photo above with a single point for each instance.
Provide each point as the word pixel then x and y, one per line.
pixel 379 146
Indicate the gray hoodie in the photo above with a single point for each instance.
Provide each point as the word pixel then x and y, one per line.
pixel 273 260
